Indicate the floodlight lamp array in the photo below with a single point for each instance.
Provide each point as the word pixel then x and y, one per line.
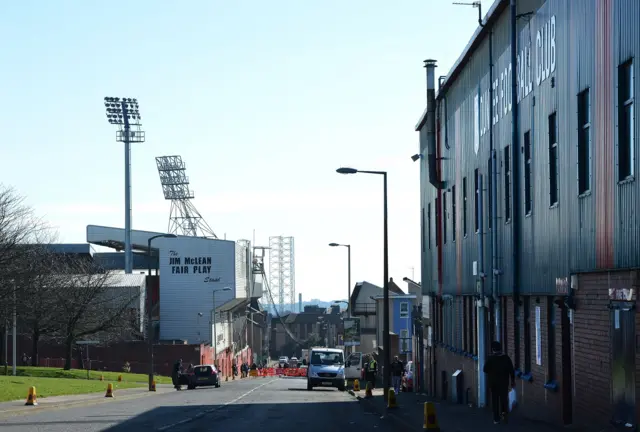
pixel 118 109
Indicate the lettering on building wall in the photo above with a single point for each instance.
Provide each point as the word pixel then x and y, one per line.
pixel 544 49
pixel 189 265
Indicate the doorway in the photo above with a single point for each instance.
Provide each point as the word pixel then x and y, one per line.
pixel 623 376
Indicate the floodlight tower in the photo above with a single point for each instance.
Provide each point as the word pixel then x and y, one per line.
pixel 282 272
pixel 125 113
pixel 184 218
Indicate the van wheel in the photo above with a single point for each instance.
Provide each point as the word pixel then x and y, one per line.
pixel 342 388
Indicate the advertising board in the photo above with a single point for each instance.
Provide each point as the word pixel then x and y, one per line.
pixel 351 331
pixel 191 270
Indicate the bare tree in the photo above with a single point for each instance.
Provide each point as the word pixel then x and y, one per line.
pixel 93 303
pixel 37 296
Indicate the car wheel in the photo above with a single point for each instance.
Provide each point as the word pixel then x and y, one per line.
pixel 342 388
pixel 309 386
pixel 191 387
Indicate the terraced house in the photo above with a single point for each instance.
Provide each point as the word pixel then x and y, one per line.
pixel 530 198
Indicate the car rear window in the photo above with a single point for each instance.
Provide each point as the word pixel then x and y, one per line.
pixel 202 370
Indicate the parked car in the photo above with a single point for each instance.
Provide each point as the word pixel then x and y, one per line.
pixel 407 379
pixel 283 362
pixel 204 375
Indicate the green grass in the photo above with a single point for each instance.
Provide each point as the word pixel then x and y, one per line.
pixel 57 382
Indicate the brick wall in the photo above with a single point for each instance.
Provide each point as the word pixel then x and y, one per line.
pixel 449 362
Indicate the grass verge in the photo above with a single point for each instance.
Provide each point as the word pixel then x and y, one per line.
pixel 58 382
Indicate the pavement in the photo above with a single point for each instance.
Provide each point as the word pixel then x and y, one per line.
pixel 266 404
pixel 409 414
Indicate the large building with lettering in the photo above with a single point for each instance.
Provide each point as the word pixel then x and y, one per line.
pixel 530 209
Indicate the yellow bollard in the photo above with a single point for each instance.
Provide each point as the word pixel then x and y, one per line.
pixel 367 392
pixel 153 385
pixel 430 419
pixel 391 399
pixel 356 385
pixel 31 397
pixel 119 378
pixel 101 377
pixel 109 391
pixel 226 378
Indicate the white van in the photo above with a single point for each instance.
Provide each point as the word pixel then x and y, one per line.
pixel 326 369
pixel 353 367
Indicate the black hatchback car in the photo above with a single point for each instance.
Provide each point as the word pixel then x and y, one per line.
pixel 204 375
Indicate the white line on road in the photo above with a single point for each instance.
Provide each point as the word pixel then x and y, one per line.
pixel 209 411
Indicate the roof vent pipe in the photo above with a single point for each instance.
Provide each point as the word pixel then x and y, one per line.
pixel 430 66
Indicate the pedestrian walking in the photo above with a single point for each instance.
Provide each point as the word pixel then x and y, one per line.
pixel 397 370
pixel 501 378
pixel 175 376
pixel 372 371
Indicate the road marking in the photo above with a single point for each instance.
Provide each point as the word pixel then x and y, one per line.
pixel 209 411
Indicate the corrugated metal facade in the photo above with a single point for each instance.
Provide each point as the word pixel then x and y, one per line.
pixel 597 230
pixel 569 219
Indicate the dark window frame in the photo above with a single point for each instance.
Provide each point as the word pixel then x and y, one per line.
pixel 553 159
pixel 507 183
pixel 454 211
pixel 444 217
pixel 429 226
pixel 626 122
pixel 464 207
pixel 528 169
pixel 476 189
pixel 584 143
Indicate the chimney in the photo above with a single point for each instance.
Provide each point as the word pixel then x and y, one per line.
pixel 430 66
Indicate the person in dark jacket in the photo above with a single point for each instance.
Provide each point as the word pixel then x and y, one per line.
pixel 397 370
pixel 175 376
pixel 500 377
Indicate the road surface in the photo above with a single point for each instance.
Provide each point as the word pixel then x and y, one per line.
pixel 261 404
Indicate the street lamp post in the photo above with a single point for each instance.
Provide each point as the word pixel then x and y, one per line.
pixel 348 274
pixel 150 324
pixel 214 336
pixel 386 338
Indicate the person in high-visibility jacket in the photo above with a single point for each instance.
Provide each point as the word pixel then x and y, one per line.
pixel 372 371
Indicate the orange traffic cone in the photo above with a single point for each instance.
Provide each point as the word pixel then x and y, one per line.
pixel 31 397
pixel 368 392
pixel 109 391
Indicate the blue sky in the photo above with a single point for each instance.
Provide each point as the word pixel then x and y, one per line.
pixel 262 99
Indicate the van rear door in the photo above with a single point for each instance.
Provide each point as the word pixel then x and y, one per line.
pixel 354 366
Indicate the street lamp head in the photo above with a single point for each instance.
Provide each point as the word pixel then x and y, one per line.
pixel 169 236
pixel 334 244
pixel 226 289
pixel 345 170
pixel 416 156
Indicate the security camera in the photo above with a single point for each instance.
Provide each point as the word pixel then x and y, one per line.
pixel 415 157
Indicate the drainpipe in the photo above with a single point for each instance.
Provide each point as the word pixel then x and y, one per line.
pixel 515 177
pixel 481 305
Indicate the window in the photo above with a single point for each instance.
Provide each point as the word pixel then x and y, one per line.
pixel 424 231
pixel 438 216
pixel 405 341
pixel 551 339
pixel 507 184
pixel 444 219
pixel 527 173
pixel 464 206
pixel 584 143
pixel 490 191
pixel 553 159
pixel 453 213
pixel 626 138
pixel 476 188
pixel 429 226
pixel 404 310
pixel 527 334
